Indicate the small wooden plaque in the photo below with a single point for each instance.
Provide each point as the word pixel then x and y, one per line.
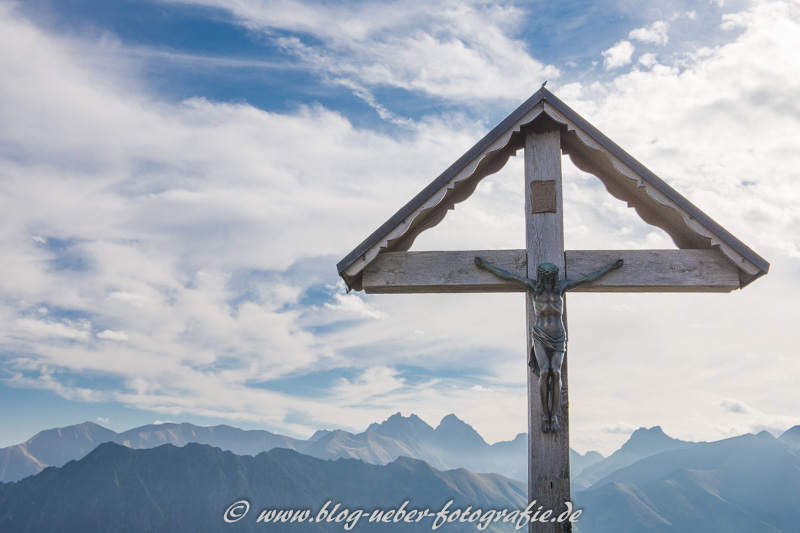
pixel 543 197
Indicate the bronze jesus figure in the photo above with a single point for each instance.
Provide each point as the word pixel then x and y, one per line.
pixel 549 342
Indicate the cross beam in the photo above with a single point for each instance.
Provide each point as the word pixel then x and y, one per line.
pixel 644 271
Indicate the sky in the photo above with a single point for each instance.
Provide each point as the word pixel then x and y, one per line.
pixel 179 179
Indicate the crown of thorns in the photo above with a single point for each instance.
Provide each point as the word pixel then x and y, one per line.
pixel 546 268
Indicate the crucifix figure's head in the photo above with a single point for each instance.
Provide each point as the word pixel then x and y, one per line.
pixel 546 277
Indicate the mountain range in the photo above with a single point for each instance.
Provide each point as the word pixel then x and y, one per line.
pixel 452 444
pixel 653 483
pixel 744 484
pixel 116 489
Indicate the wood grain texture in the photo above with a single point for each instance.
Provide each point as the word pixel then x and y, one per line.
pixel 644 271
pixel 431 272
pixel 548 453
pixel 655 271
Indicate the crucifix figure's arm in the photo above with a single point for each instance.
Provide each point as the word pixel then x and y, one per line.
pixel 569 284
pixel 529 284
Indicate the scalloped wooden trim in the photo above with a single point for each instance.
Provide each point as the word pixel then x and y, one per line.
pixel 444 199
pixel 624 171
pixel 456 190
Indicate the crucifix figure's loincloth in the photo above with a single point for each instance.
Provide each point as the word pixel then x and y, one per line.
pixel 551 343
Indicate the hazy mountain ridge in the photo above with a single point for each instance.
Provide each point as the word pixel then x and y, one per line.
pixel 55 447
pixel 577 462
pixel 169 488
pixel 51 447
pixel 239 441
pixel 453 444
pixel 369 447
pixel 742 484
pixel 791 437
pixel 642 443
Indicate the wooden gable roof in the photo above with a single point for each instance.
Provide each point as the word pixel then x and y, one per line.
pixel 625 178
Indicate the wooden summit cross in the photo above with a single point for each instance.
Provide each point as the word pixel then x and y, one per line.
pixel 709 258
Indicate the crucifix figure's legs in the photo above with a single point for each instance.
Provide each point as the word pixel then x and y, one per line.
pixel 549 366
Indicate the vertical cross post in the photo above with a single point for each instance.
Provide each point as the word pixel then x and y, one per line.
pixel 548 453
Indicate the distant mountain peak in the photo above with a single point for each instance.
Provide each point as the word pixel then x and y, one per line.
pixel 318 434
pixel 454 431
pixel 791 431
pixel 655 430
pixel 791 437
pixel 399 418
pixel 88 429
pixel 337 434
pixel 399 426
pixel 452 420
pixel 410 463
pixel 88 424
pixel 647 438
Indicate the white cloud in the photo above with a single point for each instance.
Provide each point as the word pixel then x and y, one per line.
pixel 648 60
pixel 738 417
pixel 112 335
pixel 457 50
pixel 656 33
pixel 735 406
pixel 134 299
pixel 732 21
pixel 620 428
pixel 353 304
pixel 22 372
pixel 67 329
pixel 371 384
pixel 618 55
